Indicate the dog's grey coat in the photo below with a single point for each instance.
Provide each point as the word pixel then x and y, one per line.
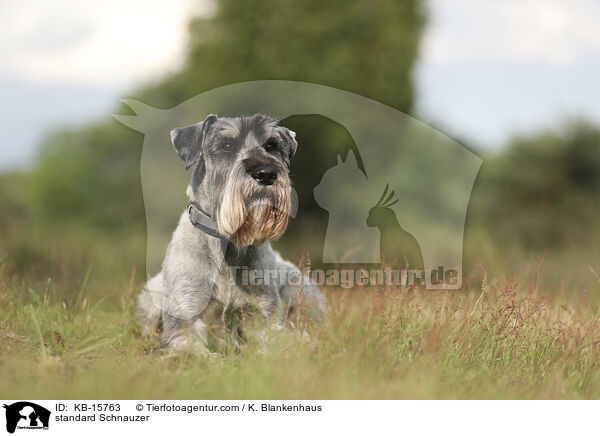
pixel 196 291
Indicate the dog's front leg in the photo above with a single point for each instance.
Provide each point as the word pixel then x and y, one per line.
pixel 184 330
pixel 185 336
pixel 271 308
pixel 272 312
pixel 299 294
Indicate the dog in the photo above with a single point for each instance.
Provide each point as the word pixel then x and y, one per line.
pixel 240 197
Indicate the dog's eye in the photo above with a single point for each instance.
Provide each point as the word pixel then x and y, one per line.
pixel 226 146
pixel 270 146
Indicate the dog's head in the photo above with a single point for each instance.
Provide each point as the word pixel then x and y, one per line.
pixel 241 174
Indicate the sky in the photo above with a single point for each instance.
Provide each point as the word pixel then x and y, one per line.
pixel 493 69
pixel 488 69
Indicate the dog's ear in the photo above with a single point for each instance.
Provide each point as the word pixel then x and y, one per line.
pixel 188 140
pixel 289 136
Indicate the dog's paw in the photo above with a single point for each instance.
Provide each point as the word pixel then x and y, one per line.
pixel 184 346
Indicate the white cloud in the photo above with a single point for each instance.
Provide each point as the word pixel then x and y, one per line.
pixel 553 32
pixel 108 43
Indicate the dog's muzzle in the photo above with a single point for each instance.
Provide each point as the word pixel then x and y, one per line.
pixel 255 203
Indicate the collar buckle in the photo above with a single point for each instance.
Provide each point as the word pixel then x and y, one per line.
pixel 203 221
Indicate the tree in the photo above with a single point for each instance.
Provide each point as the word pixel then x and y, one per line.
pixel 363 46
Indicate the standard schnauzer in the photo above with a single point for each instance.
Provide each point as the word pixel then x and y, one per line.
pixel 240 198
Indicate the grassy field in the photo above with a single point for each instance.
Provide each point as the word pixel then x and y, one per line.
pixel 511 337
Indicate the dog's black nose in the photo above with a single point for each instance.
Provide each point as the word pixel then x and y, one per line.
pixel 264 175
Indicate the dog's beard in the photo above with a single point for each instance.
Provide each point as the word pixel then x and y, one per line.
pixel 250 214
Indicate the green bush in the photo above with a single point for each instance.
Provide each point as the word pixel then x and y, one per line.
pixel 543 191
pixel 89 177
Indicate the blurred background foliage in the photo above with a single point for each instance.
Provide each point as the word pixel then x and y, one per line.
pixel 82 204
pixel 542 191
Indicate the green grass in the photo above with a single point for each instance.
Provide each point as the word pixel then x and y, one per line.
pixel 508 338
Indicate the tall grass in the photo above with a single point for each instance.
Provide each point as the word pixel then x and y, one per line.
pixel 503 339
